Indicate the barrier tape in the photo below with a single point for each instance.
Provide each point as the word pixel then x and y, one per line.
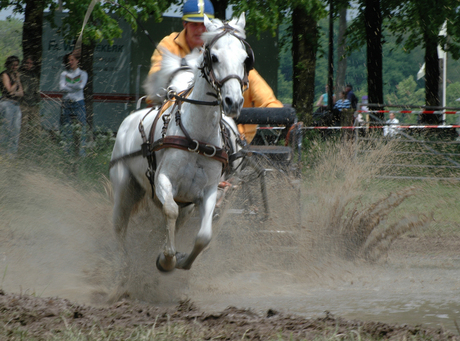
pixel 410 112
pixel 380 127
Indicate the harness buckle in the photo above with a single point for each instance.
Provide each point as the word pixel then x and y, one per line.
pixel 213 153
pixel 145 149
pixel 170 94
pixel 195 150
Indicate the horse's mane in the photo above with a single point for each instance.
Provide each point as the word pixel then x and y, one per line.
pixel 218 24
pixel 157 82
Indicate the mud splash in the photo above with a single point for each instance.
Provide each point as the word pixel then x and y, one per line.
pixel 57 240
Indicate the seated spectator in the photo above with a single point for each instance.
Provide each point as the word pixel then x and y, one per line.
pixel 389 130
pixel 343 102
pixel 323 100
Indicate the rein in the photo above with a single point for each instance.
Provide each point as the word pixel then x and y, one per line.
pixel 173 95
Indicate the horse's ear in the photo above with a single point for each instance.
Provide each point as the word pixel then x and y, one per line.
pixel 210 27
pixel 241 21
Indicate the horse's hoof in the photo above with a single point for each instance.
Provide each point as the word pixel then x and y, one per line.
pixel 181 261
pixel 164 264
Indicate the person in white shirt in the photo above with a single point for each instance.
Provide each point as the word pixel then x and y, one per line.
pixel 389 130
pixel 72 82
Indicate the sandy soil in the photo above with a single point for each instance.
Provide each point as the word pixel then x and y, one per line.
pixel 58 254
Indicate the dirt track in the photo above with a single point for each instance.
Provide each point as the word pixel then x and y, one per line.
pixel 56 242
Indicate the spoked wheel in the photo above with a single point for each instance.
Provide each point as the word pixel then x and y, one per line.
pixel 265 188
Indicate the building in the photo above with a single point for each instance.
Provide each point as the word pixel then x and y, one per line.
pixel 121 68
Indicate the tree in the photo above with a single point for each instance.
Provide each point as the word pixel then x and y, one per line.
pixel 406 93
pixel 367 28
pixel 303 17
pixel 10 39
pixel 416 23
pixel 341 51
pixel 32 27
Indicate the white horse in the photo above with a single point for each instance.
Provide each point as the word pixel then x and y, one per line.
pixel 184 176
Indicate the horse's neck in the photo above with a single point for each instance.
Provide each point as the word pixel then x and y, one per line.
pixel 202 122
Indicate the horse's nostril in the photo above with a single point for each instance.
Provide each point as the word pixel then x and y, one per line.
pixel 228 101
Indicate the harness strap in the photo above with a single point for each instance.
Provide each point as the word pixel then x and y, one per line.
pixel 124 157
pixel 195 146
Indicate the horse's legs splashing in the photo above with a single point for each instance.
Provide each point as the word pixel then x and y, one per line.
pixel 185 261
pixel 127 193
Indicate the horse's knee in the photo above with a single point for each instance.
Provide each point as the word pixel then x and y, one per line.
pixel 203 239
pixel 171 210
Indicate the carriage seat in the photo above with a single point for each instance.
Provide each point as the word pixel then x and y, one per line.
pixel 274 124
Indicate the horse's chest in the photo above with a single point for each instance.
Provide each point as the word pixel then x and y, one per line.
pixel 191 176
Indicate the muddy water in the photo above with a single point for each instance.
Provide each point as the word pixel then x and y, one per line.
pixel 401 304
pixel 403 290
pixel 57 242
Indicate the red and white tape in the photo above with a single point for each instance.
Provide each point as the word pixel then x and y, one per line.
pixel 410 112
pixel 392 126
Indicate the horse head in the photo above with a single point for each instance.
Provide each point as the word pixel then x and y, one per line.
pixel 176 74
pixel 225 61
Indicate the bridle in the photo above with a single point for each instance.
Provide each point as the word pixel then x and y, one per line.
pixel 207 70
pixel 208 73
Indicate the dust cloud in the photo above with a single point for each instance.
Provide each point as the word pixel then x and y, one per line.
pixel 56 239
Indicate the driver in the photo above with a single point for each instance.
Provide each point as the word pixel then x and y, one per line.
pixel 182 43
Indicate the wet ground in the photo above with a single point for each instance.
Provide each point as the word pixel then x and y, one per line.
pixel 56 242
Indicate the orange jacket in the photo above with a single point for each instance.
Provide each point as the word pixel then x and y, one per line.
pixel 258 95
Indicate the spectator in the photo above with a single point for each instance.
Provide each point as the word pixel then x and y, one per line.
pixel 342 103
pixel 259 93
pixel 323 100
pixel 30 103
pixel 389 130
pixel 10 111
pixel 72 83
pixel 351 96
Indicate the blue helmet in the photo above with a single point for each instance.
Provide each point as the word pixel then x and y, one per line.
pixel 194 10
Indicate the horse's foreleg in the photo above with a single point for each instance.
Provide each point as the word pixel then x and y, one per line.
pixel 166 261
pixel 185 261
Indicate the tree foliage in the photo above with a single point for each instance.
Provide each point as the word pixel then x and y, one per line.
pixel 103 23
pixel 10 39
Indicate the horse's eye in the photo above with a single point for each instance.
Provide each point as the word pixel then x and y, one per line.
pixel 214 59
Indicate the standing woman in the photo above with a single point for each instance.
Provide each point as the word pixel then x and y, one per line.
pixel 10 112
pixel 72 82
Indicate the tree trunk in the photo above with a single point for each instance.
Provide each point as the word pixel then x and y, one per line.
pixel 86 62
pixel 32 33
pixel 304 48
pixel 220 7
pixel 341 53
pixel 373 24
pixel 432 75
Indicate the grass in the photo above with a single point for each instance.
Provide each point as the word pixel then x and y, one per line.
pixel 47 151
pixel 190 332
